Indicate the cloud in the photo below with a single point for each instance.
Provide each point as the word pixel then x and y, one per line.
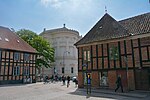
pixel 53 3
pixel 68 4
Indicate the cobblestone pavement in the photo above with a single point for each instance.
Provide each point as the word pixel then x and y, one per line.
pixel 52 91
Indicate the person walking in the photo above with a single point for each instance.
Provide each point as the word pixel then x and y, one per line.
pixel 119 83
pixel 68 81
pixel 63 79
pixel 76 82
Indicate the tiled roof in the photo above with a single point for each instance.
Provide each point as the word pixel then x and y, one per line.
pixel 9 40
pixel 137 25
pixel 108 28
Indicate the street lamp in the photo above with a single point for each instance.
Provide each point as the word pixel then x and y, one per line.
pixel 64 58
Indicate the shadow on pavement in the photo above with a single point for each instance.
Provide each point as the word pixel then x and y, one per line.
pixel 9 85
pixel 84 93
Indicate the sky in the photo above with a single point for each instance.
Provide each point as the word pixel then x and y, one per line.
pixel 79 15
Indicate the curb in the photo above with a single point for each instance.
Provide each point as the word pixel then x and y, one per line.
pixel 129 94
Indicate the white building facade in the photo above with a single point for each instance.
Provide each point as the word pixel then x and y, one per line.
pixel 66 55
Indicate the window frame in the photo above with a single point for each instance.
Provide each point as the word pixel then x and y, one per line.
pixel 26 70
pixel 16 56
pixel 26 57
pixel 72 70
pixel 101 78
pixel 86 55
pixel 63 70
pixel 114 53
pixel 16 71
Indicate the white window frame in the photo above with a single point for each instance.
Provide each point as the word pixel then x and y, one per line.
pixel 86 55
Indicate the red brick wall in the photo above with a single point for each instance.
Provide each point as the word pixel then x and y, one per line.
pixel 112 79
pixel 95 79
pixel 131 80
pixel 80 80
pixel 112 73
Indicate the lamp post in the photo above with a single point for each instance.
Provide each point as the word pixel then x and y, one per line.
pixel 126 63
pixel 64 58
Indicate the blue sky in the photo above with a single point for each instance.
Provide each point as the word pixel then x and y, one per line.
pixel 80 15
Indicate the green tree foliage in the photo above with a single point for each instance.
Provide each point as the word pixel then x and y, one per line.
pixel 45 51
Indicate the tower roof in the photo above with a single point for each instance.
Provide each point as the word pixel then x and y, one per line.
pixel 63 29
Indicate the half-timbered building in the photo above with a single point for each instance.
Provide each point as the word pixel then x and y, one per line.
pixel 17 59
pixel 113 48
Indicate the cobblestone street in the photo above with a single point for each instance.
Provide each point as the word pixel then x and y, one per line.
pixel 52 91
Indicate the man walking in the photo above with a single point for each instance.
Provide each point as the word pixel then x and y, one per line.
pixel 68 81
pixel 119 83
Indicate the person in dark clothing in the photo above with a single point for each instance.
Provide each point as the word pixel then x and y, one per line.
pixel 63 79
pixel 119 83
pixel 76 82
pixel 68 81
pixel 46 79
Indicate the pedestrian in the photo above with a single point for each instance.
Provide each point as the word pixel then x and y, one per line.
pixel 46 79
pixel 52 78
pixel 119 83
pixel 63 79
pixel 76 82
pixel 68 81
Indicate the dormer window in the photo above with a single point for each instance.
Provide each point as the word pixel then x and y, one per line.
pixel 6 39
pixel 18 41
pixel 100 27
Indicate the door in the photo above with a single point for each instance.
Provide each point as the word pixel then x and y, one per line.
pixel 142 79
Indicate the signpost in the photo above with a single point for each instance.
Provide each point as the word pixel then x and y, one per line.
pixel 88 78
pixel 89 82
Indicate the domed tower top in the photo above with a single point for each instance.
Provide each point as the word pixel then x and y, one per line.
pixel 59 30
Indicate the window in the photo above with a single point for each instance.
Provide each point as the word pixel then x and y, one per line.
pixel 63 70
pixel 114 54
pixel 85 77
pixel 26 70
pixel 103 78
pixel 16 56
pixel 86 55
pixel 26 57
pixel 71 69
pixel 16 71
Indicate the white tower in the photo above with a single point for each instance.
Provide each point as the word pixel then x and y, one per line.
pixel 66 55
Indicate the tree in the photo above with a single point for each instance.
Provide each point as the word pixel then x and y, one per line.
pixel 45 51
